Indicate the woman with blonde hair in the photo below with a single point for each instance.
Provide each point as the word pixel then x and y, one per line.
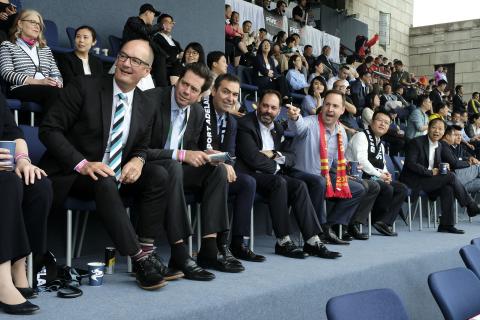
pixel 27 63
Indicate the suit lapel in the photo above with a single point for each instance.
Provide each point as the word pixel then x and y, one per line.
pixel 257 129
pixel 165 115
pixel 426 147
pixel 106 98
pixel 134 121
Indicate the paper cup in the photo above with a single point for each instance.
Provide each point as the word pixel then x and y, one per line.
pixel 96 271
pixel 10 145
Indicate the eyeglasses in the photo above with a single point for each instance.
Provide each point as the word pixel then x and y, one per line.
pixel 33 22
pixel 385 122
pixel 136 62
pixel 192 53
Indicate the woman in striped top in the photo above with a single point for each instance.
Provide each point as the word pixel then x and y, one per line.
pixel 27 64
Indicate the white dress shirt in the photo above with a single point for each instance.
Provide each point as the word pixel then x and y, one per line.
pixel 431 153
pixel 358 151
pixel 269 144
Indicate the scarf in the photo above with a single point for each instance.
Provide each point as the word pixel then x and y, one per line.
pixel 29 42
pixel 375 154
pixel 208 122
pixel 341 184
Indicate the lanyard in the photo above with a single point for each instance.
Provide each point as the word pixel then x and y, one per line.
pixel 181 133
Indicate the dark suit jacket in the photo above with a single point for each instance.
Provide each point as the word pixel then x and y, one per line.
pixel 458 104
pixel 71 66
pixel 259 66
pixel 171 52
pixel 436 97
pixel 416 161
pixel 324 59
pixel 451 158
pixel 229 139
pixel 135 28
pixel 358 94
pixel 77 127
pixel 249 145
pixel 9 130
pixel 161 125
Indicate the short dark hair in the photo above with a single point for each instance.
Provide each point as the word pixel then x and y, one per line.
pixel 245 22
pixel 421 98
pixel 214 56
pixel 322 81
pixel 201 70
pixel 363 73
pixel 380 111
pixel 433 121
pixel 325 48
pixel 163 16
pixel 307 46
pixel 475 93
pixel 369 59
pixel 89 28
pixel 451 128
pixel 225 77
pixel 350 59
pixel 344 67
pixel 197 47
pixel 289 39
pixel 227 6
pixel 458 87
pixel 386 84
pixel 441 105
pixel 475 116
pixel 441 82
pixel 334 91
pixel 279 3
pixel 398 63
pixel 262 30
pixel 270 91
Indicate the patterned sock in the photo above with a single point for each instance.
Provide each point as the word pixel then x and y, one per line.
pixel 139 256
pixel 281 241
pixel 147 245
pixel 314 240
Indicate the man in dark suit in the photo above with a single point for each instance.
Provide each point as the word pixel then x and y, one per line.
pixel 260 155
pixel 458 103
pixel 219 133
pixel 175 142
pixel 324 58
pixel 96 137
pixel 359 90
pixel 421 172
pixel 437 93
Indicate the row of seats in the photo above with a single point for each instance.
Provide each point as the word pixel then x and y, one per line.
pixel 456 291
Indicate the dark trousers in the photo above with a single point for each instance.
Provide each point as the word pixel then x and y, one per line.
pixel 367 201
pixel 150 193
pixel 282 191
pixel 341 211
pixel 23 216
pixel 447 187
pixel 316 190
pixel 44 95
pixel 211 182
pixel 389 201
pixel 243 191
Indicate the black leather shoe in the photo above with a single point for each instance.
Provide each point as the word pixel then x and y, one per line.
pixel 168 274
pixel 244 253
pixel 147 275
pixel 450 229
pixel 220 262
pixel 191 270
pixel 290 250
pixel 345 235
pixel 23 308
pixel 27 293
pixel 384 229
pixel 225 250
pixel 330 237
pixel 320 250
pixel 473 210
pixel 354 231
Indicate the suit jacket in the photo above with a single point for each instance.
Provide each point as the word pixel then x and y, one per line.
pixel 458 104
pixel 416 161
pixel 71 66
pixel 77 127
pixel 229 139
pixel 170 51
pixel 161 125
pixel 249 145
pixel 135 28
pixel 359 95
pixel 260 67
pixel 324 59
pixel 436 97
pixel 451 158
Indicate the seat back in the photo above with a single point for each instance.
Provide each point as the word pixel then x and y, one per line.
pixel 471 257
pixel 476 242
pixel 367 305
pixel 390 166
pixel 457 293
pixel 398 161
pixel 71 36
pixel 51 32
pixel 249 105
pixel 36 149
pixel 115 44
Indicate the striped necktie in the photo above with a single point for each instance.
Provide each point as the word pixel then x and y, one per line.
pixel 115 159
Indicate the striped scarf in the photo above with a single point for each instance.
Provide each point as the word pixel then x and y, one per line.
pixel 341 184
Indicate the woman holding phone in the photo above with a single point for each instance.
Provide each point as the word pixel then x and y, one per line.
pixel 8 13
pixel 25 198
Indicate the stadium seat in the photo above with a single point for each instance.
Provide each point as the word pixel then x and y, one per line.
pixel 71 36
pixel 395 174
pixel 376 304
pixel 471 257
pixel 33 108
pixel 15 105
pixel 115 44
pixel 476 242
pixel 456 292
pixel 51 34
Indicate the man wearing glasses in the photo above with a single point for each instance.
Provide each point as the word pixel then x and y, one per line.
pixel 367 148
pixel 96 136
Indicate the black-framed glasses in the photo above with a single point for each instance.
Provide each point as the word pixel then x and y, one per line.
pixel 33 22
pixel 135 62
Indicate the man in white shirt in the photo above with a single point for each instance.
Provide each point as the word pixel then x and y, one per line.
pixel 367 148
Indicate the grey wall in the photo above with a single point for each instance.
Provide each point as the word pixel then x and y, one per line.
pixel 196 20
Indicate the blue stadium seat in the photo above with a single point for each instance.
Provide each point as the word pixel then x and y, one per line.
pixel 15 105
pixel 115 44
pixel 51 34
pixel 456 292
pixel 35 148
pixel 471 257
pixel 71 36
pixel 33 108
pixel 376 304
pixel 231 69
pixel 476 242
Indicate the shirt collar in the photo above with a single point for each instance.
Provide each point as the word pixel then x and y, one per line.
pixel 432 144
pixel 117 90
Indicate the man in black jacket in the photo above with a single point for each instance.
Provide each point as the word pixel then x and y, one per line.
pixel 359 90
pixel 260 155
pixel 96 137
pixel 458 103
pixel 436 95
pixel 176 144
pixel 421 172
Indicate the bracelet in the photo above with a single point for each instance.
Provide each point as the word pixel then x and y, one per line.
pixel 20 155
pixel 141 159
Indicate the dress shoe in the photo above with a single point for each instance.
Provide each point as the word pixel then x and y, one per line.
pixel 168 274
pixel 28 293
pixel 191 270
pixel 449 229
pixel 354 231
pixel 383 228
pixel 331 237
pixel 473 210
pixel 147 275
pixel 225 250
pixel 320 250
pixel 290 250
pixel 345 235
pixel 220 262
pixel 244 253
pixel 23 308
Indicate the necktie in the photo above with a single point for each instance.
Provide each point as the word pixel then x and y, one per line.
pixel 115 159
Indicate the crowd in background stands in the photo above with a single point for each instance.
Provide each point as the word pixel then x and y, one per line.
pixel 363 110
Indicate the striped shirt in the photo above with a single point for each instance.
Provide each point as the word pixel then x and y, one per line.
pixel 16 65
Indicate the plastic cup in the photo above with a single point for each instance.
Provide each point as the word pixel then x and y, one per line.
pixel 10 145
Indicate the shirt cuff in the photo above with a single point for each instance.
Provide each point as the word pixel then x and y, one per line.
pixel 80 165
pixel 175 155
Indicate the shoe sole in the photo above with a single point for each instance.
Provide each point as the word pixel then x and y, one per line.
pixel 154 287
pixel 293 257
pixel 174 276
